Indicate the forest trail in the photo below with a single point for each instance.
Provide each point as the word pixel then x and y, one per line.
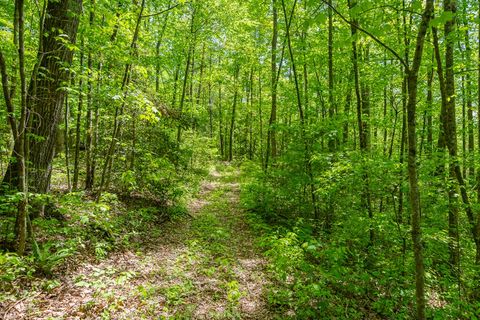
pixel 201 267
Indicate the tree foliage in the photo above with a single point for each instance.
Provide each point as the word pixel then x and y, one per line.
pixel 355 124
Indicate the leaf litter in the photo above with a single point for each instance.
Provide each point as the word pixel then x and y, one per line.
pixel 203 267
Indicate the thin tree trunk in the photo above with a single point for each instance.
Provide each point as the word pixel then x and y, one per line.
pixel 307 155
pixel 429 111
pixel 234 107
pixel 331 101
pixel 385 104
pixel 67 143
pixel 76 165
pixel 88 126
pixel 469 103
pixel 200 83
pixel 260 117
pixel 119 110
pixel 185 77
pixel 175 85
pixel 271 149
pixel 134 141
pixel 95 136
pixel 157 50
pixel 362 119
pixel 346 110
pixel 220 122
pixel 18 129
pixel 210 100
pixel 250 122
pixel 451 138
pixel 412 163
pixel 22 215
pixel 478 113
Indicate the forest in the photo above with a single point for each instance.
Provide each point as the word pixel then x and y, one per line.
pixel 240 159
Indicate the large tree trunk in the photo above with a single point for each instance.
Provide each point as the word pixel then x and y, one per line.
pixel 46 97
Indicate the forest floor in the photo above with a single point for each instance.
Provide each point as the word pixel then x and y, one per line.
pixel 204 266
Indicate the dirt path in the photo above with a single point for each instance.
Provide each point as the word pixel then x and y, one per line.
pixel 204 267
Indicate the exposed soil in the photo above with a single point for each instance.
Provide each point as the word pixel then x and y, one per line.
pixel 205 266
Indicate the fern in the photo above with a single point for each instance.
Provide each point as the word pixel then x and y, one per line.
pixel 46 260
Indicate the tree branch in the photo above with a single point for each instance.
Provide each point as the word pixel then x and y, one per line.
pixel 161 12
pixel 380 42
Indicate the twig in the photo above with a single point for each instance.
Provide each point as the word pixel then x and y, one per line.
pixel 14 304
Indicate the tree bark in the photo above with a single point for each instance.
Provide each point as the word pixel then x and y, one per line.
pixel 307 153
pixel 185 76
pixel 46 96
pixel 271 149
pixel 331 98
pixel 232 119
pixel 363 112
pixel 18 128
pixel 451 134
pixel 412 81
pixel 76 165
pixel 90 168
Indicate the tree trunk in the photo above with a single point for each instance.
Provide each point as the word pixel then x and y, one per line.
pixel 185 77
pixel 105 179
pixel 363 112
pixel 331 101
pixel 210 100
pixel 90 169
pixel 220 122
pixel 307 154
pixel 46 96
pixel 18 129
pixel 76 165
pixel 234 107
pixel 67 142
pixel 412 81
pixel 451 136
pixel 271 134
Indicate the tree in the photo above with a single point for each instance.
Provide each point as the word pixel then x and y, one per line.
pixel 46 93
pixel 18 127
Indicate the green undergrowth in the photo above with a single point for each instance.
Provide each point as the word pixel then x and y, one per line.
pixel 77 228
pixel 317 274
pixel 210 255
pixel 203 273
pixel 81 228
